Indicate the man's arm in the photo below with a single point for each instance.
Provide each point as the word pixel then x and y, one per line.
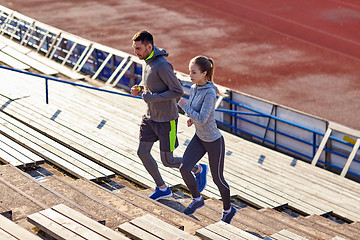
pixel 166 73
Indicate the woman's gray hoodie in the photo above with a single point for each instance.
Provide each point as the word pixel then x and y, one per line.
pixel 201 108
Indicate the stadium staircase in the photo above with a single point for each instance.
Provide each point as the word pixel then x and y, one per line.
pixel 87 141
pixel 69 167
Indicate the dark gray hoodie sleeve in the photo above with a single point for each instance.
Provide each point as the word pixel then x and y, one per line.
pixel 166 73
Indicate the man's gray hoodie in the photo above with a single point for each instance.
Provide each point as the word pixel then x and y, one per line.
pixel 201 108
pixel 162 87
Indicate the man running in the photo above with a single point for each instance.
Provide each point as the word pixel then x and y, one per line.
pixel 160 88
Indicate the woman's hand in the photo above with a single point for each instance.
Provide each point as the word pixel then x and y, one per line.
pixel 190 122
pixel 181 102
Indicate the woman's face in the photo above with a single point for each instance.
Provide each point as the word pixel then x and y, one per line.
pixel 196 75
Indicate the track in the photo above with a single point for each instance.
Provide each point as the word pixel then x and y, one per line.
pixel 305 55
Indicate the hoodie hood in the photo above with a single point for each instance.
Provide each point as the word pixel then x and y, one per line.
pixel 157 52
pixel 207 86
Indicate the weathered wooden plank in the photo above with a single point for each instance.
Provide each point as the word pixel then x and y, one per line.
pixel 29 61
pixel 276 236
pixel 285 235
pixel 293 181
pixel 88 222
pixel 7 42
pixel 15 230
pixel 47 154
pixel 52 228
pixel 136 233
pixel 207 234
pixel 108 157
pixel 68 159
pixel 7 158
pixel 6 236
pixel 291 235
pixel 12 62
pixel 66 71
pixel 235 230
pixel 16 153
pixel 160 228
pixel 78 228
pixel 224 232
pixel 33 158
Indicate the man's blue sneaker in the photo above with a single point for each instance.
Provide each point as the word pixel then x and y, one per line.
pixel 159 194
pixel 201 177
pixel 195 204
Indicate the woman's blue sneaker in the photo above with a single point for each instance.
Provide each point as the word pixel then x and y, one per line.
pixel 195 204
pixel 227 217
pixel 201 177
pixel 159 194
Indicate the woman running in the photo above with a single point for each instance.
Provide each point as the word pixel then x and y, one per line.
pixel 207 139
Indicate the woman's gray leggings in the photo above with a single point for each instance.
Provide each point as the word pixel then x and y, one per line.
pixel 216 152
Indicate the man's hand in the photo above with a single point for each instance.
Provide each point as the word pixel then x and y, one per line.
pixel 135 90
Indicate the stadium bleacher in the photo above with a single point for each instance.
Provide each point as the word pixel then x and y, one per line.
pixel 80 170
pixel 265 185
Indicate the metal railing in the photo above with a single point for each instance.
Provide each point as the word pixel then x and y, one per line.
pixel 233 124
pixel 47 79
pixel 237 115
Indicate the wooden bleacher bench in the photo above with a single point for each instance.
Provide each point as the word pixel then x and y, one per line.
pixel 62 222
pixel 12 62
pixel 11 231
pixel 48 66
pixel 285 235
pixel 64 70
pixel 260 183
pixel 13 153
pixel 52 151
pixel 150 227
pixel 222 231
pixel 29 61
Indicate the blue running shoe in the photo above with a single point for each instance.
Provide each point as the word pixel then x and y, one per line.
pixel 195 204
pixel 227 217
pixel 201 177
pixel 159 194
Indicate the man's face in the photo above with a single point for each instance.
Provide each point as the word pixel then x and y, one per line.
pixel 140 50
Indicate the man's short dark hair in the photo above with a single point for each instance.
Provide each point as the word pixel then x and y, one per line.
pixel 145 37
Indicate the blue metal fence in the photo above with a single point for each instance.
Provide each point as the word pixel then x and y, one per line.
pixel 237 115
